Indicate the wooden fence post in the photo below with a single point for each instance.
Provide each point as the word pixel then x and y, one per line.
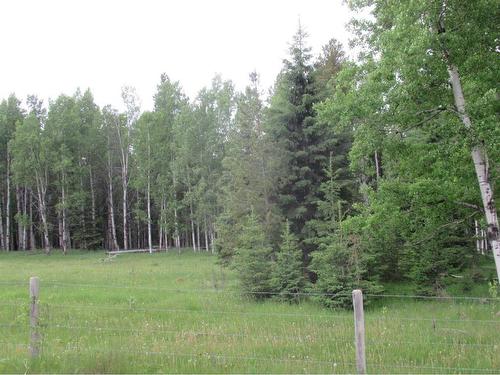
pixel 34 332
pixel 359 330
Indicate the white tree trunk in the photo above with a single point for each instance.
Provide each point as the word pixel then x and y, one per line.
pixel 41 188
pixel 83 222
pixel 124 150
pixel 377 166
pixel 163 238
pixel 124 207
pixel 32 233
pixel 212 240
pixel 111 209
pixel 198 236
pixel 150 244
pixel 25 213
pixel 480 160
pixel 206 234
pixel 64 219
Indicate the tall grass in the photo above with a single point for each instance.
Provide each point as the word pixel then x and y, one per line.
pixel 142 313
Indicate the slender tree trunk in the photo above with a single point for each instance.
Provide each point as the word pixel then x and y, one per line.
pixel 60 230
pixel 32 233
pixel 21 214
pixel 480 159
pixel 92 197
pixel 150 244
pixel 176 234
pixel 83 222
pixel 2 233
pixel 7 207
pixel 25 216
pixel 111 209
pixel 192 227
pixel 162 230
pixel 377 166
pixel 111 215
pixel 148 197
pixel 124 149
pixel 124 208
pixel 19 204
pixel 160 227
pixel 206 234
pixel 42 208
pixel 160 236
pixel 212 239
pixel 478 237
pixel 485 241
pixel 177 239
pixel 198 236
pixel 129 232
pixel 139 236
pixel 64 222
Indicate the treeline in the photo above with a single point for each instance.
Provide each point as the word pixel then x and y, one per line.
pixel 349 174
pixel 77 176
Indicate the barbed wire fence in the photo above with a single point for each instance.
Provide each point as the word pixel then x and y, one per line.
pixel 351 342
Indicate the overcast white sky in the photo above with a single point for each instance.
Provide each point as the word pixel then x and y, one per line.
pixel 51 47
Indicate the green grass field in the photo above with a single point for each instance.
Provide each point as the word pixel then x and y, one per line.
pixel 142 313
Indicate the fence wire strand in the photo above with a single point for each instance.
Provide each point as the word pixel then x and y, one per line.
pixel 197 333
pixel 252 313
pixel 215 312
pixel 55 283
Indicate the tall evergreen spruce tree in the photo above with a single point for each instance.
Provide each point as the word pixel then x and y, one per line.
pixel 253 259
pixel 288 280
pixel 302 141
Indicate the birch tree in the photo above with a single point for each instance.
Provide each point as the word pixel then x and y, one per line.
pixel 10 114
pixel 111 121
pixel 172 112
pixel 32 160
pixel 486 37
pixel 144 175
pixel 425 90
pixel 131 102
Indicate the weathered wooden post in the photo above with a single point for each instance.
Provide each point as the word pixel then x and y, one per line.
pixel 359 330
pixel 34 332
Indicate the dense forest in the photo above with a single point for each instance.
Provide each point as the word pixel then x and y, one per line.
pixel 348 173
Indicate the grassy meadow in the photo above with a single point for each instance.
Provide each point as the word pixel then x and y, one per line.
pixel 182 313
